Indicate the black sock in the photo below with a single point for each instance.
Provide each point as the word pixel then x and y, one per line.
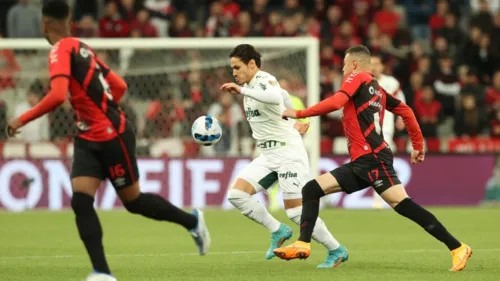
pixel 408 208
pixel 311 193
pixel 90 230
pixel 156 207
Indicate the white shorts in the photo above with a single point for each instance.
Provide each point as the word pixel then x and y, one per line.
pixel 289 166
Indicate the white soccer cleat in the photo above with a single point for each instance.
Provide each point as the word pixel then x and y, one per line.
pixel 100 277
pixel 200 234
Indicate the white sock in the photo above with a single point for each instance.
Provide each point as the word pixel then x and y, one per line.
pixel 252 209
pixel 321 234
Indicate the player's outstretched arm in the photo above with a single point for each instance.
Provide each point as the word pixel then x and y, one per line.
pixel 57 95
pixel 264 92
pixel 417 139
pixel 335 102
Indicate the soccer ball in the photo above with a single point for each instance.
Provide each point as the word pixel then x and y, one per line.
pixel 206 130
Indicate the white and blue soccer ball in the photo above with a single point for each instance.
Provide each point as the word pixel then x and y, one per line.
pixel 206 130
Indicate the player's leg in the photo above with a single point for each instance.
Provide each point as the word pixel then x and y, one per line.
pixel 398 199
pixel 312 192
pixel 86 176
pixel 256 177
pixel 387 184
pixel 292 176
pixel 121 168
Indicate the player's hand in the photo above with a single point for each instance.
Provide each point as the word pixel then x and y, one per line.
pixel 12 127
pixel 417 156
pixel 232 88
pixel 301 127
pixel 289 113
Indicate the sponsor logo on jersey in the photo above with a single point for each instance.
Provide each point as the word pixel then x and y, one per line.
pixel 375 104
pixel 119 182
pixel 264 87
pixel 273 83
pixel 252 113
pixel 287 175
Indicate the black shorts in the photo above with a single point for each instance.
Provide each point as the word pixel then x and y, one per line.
pixel 113 159
pixel 367 170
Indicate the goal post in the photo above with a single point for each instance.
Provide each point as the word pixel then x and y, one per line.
pixel 296 58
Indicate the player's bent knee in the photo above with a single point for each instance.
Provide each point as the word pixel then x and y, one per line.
pixel 237 197
pixel 394 195
pixel 134 206
pixel 82 204
pixel 312 191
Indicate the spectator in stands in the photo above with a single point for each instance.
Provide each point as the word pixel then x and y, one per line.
pixel 493 94
pixel 86 27
pixel 23 20
pixel 486 58
pixel 161 13
pixel 473 87
pixel 331 25
pixel 143 25
pixel 470 121
pixel 387 18
pixel 179 27
pixel 217 24
pixel 470 46
pixel 424 67
pixel 345 39
pixel 438 19
pixel 291 8
pixel 495 40
pixel 429 113
pixel 8 68
pixel 361 17
pixel 313 27
pixel 413 93
pixel 83 8
pixel 5 6
pixel 230 115
pixel 37 130
pixel 259 15
pixel 290 27
pixel 447 86
pixel 163 116
pixel 495 124
pixel 242 27
pixel 63 123
pixel 440 49
pixel 418 14
pixel 274 27
pixel 451 32
pixel 112 24
pixel 129 9
pixel 483 18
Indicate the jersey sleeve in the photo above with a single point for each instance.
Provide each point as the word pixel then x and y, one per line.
pixel 351 84
pixel 267 90
pixel 335 102
pixel 399 108
pixel 60 59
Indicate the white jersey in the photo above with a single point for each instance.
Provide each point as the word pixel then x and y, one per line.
pixel 391 86
pixel 264 102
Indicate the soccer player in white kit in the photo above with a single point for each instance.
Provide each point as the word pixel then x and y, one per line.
pixel 283 157
pixel 391 86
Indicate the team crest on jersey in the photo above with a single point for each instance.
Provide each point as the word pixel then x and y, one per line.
pixel 273 83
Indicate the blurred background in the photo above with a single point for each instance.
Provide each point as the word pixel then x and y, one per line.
pixel 443 53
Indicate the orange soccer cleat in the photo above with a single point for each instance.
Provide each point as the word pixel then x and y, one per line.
pixel 460 256
pixel 297 250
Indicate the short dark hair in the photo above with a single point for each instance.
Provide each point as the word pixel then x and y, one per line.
pixel 246 53
pixel 358 49
pixel 56 9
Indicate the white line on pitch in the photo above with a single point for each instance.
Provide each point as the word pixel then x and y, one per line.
pixel 224 253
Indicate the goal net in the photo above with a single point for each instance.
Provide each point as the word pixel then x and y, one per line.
pixel 171 83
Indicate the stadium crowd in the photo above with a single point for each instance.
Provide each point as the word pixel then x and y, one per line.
pixel 442 52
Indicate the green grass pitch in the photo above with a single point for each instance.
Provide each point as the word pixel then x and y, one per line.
pixel 42 246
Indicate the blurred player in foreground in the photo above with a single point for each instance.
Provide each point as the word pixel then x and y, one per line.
pixel 282 158
pixel 371 160
pixel 105 146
